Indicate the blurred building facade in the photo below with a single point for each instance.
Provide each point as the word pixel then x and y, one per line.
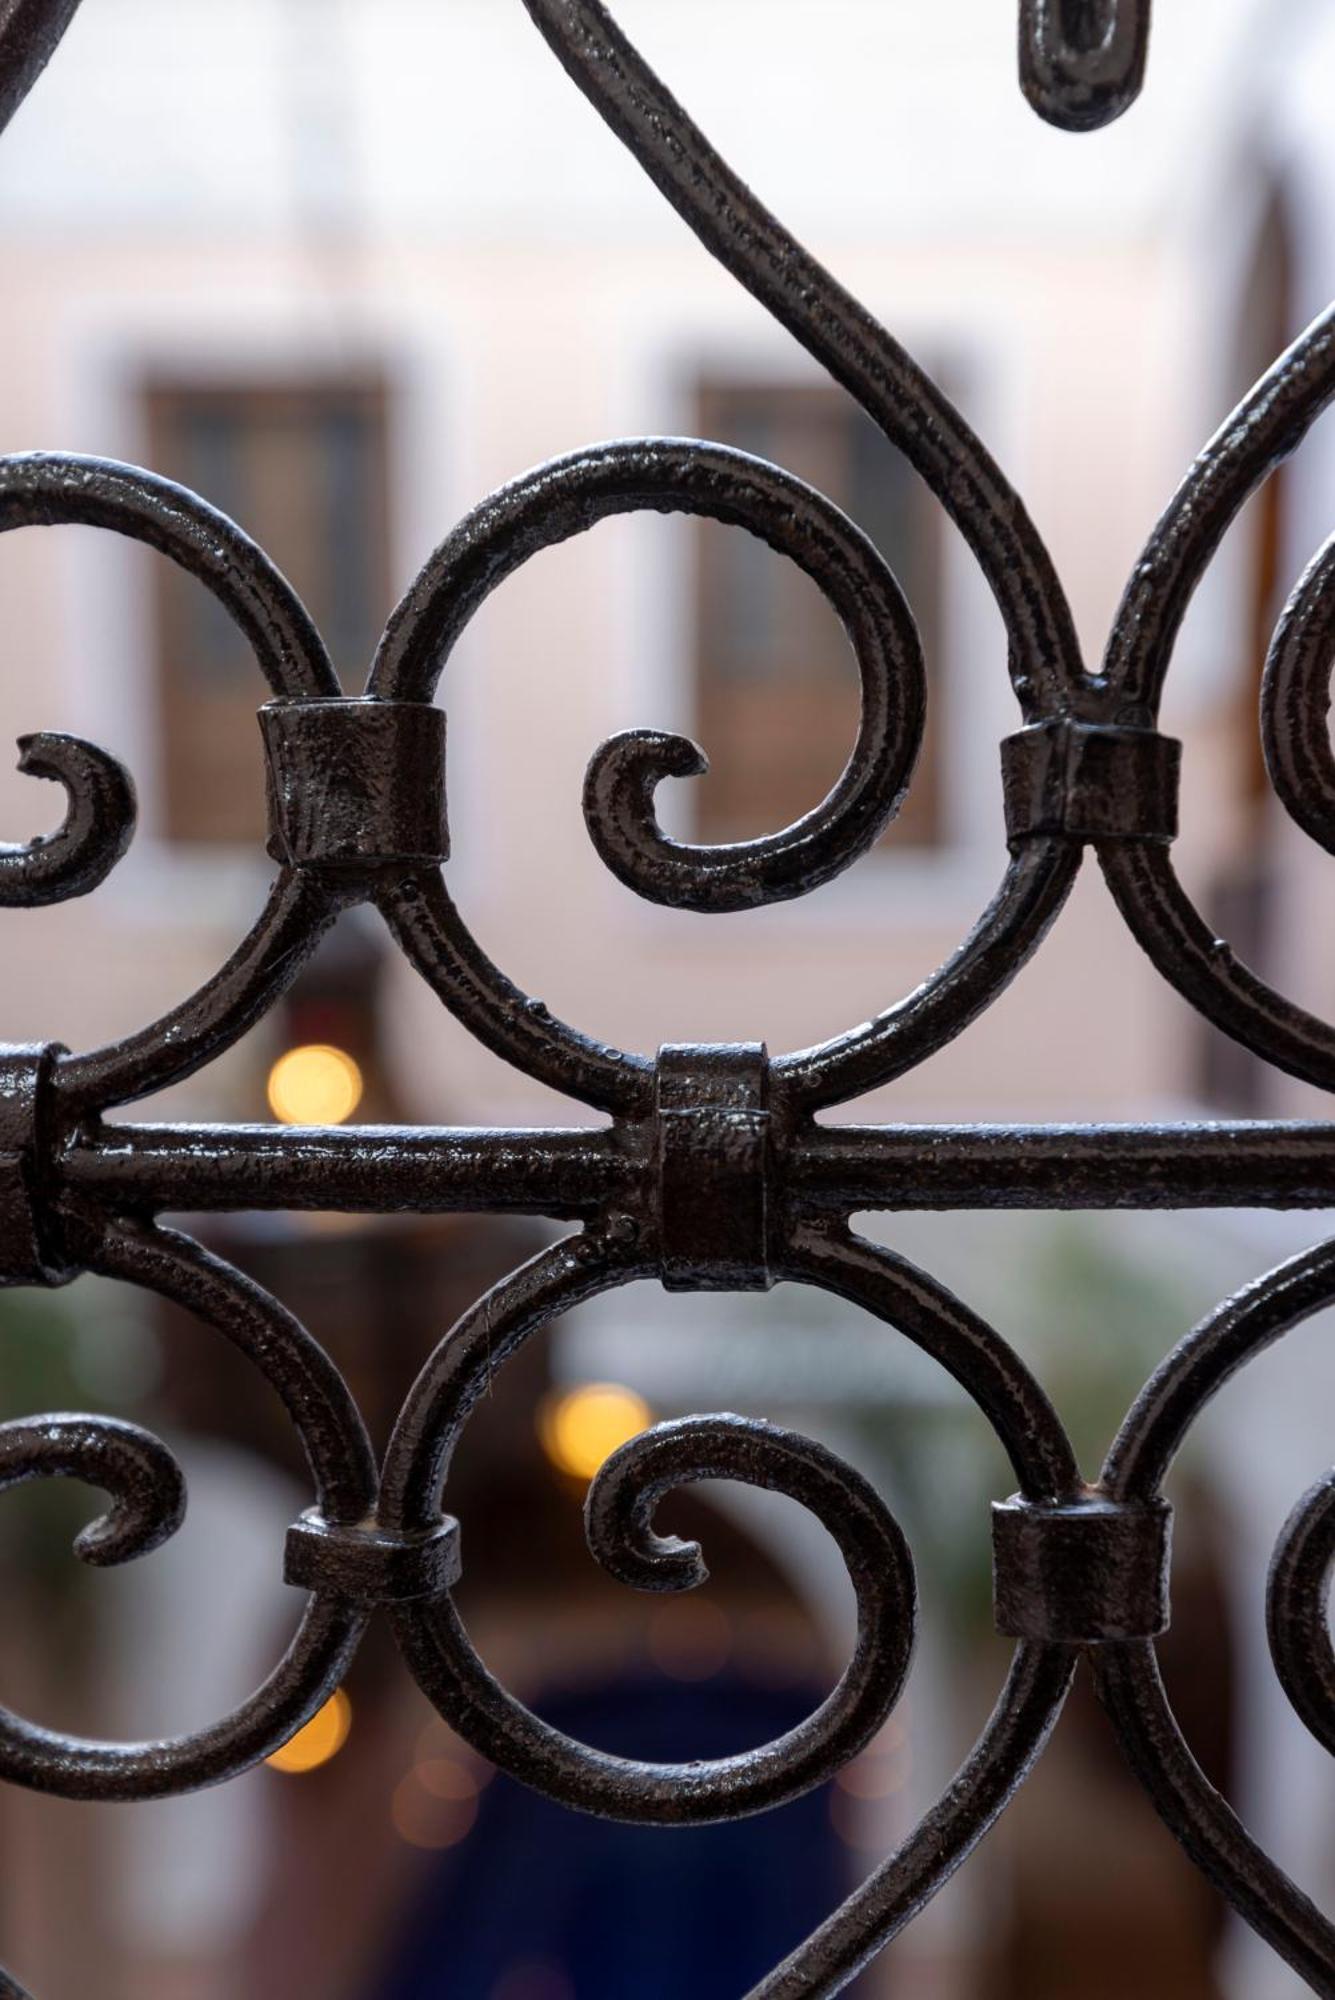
pixel 347 265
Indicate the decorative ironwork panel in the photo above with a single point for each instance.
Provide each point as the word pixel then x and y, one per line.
pixel 713 1172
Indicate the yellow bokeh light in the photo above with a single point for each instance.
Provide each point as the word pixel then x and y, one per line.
pixel 320 1739
pixel 315 1085
pixel 580 1428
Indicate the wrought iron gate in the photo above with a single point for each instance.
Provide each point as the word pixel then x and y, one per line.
pixel 711 1173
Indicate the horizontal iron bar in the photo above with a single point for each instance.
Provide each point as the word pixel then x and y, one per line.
pixel 357 1169
pixel 1242 1165
pixel 581 1173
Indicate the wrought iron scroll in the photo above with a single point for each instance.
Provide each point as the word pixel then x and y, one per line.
pixel 712 1173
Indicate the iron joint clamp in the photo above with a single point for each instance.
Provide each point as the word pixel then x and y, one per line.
pixel 30 1253
pixel 370 1564
pixel 1090 781
pixel 713 1162
pixel 1090 1571
pixel 355 783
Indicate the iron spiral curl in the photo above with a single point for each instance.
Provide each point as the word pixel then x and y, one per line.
pixel 47 489
pixel 145 1482
pixel 1088 768
pixel 149 1503
pixel 680 475
pixel 619 1515
pixel 97 828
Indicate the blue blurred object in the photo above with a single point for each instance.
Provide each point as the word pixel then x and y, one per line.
pixel 543 1904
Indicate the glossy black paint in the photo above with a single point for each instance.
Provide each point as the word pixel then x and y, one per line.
pixel 711 1171
pixel 1082 62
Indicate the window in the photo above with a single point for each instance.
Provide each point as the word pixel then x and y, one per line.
pixel 302 468
pixel 775 681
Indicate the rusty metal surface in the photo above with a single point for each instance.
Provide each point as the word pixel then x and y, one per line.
pixel 712 1172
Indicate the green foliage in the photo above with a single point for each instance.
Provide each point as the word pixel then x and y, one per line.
pixel 37 1347
pixel 1093 1323
pixel 1099 1323
pixel 39 1375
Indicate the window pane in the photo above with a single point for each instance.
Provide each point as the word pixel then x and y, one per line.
pixel 775 678
pixel 302 469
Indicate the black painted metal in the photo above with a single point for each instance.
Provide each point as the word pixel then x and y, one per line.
pixel 712 1173
pixel 1082 62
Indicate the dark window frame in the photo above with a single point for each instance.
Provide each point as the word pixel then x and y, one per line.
pixel 779 722
pixel 206 687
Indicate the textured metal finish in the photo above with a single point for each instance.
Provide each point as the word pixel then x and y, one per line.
pixel 144 1480
pixel 30 31
pixel 32 1255
pixel 678 475
pixel 715 1170
pixel 98 826
pixel 368 1563
pixel 712 1172
pixel 1090 782
pixel 1082 62
pixel 355 785
pixel 1083 1572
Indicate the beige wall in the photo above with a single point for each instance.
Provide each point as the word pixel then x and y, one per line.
pixel 1071 367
